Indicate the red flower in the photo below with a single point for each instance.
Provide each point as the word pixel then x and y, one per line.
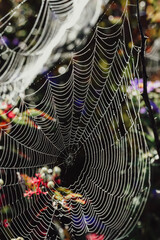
pixel 11 114
pixel 58 181
pixel 5 223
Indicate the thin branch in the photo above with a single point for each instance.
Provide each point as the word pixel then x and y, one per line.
pixel 145 78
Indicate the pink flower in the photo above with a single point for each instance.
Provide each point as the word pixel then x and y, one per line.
pixel 29 193
pixel 94 236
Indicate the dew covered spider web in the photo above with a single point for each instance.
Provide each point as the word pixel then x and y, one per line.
pixel 41 28
pixel 93 133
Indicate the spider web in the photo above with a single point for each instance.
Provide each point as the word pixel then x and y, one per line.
pixel 53 23
pixel 95 136
pixel 153 59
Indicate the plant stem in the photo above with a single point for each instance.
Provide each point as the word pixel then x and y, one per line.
pixel 145 78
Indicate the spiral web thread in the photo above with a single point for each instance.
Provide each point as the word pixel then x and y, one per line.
pixel 94 112
pixel 21 64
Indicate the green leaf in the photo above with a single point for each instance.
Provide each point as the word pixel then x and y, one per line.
pixel 24 121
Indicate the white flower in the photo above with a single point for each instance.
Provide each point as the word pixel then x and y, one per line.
pixel 50 171
pixel 49 178
pixel 56 170
pixel 44 170
pixel 43 176
pixel 50 184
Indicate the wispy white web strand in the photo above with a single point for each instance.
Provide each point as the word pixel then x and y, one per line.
pixel 24 62
pixel 153 59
